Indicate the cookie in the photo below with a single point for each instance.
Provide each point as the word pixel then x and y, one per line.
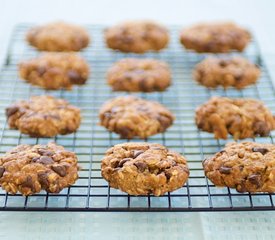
pixel 137 37
pixel 235 72
pixel 144 168
pixel 246 166
pixel 241 118
pixel 30 169
pixel 220 37
pixel 139 75
pixel 43 116
pixel 58 37
pixel 55 70
pixel 132 117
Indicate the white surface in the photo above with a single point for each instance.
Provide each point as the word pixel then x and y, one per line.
pixel 257 15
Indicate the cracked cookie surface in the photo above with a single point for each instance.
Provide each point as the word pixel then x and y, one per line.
pixel 144 168
pixel 139 75
pixel 58 37
pixel 242 118
pixel 132 117
pixel 236 72
pixel 55 70
pixel 43 116
pixel 220 37
pixel 246 166
pixel 137 36
pixel 30 169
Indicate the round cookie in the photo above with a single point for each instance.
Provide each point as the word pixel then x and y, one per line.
pixel 43 116
pixel 144 168
pixel 236 72
pixel 55 70
pixel 219 37
pixel 242 118
pixel 58 37
pixel 137 37
pixel 139 75
pixel 132 117
pixel 30 169
pixel 246 166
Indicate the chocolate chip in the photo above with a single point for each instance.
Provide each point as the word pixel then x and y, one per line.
pixel 2 170
pixel 41 70
pixel 223 63
pixel 45 160
pixel 43 179
pixel 75 77
pixel 45 152
pixel 35 159
pixel 28 183
pixel 225 170
pixel 60 170
pixel 261 150
pixel 125 132
pixel 141 166
pixel 124 160
pixel 261 128
pixel 255 179
pixel 168 175
pixel 11 110
pixel 137 153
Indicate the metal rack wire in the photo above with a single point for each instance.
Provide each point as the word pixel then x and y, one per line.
pixel 91 192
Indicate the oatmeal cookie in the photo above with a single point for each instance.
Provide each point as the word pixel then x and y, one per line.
pixel 144 168
pixel 30 169
pixel 55 70
pixel 242 118
pixel 236 72
pixel 43 116
pixel 246 166
pixel 220 37
pixel 137 37
pixel 58 37
pixel 139 75
pixel 132 117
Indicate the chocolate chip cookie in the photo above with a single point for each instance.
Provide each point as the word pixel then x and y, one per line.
pixel 30 169
pixel 217 37
pixel 132 117
pixel 58 37
pixel 55 70
pixel 236 72
pixel 43 116
pixel 137 37
pixel 246 166
pixel 242 118
pixel 139 75
pixel 144 168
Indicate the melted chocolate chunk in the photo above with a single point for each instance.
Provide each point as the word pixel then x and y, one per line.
pixel 261 150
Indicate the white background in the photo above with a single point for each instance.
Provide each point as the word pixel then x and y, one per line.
pixel 258 15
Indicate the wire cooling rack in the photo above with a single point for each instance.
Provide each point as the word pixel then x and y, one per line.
pixel 91 192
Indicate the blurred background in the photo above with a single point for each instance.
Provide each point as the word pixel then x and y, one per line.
pixel 257 15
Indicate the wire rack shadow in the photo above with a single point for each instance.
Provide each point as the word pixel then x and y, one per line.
pixel 91 192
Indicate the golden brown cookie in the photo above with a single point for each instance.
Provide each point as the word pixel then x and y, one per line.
pixel 139 75
pixel 242 118
pixel 246 166
pixel 137 37
pixel 220 37
pixel 43 116
pixel 58 37
pixel 236 72
pixel 144 168
pixel 131 117
pixel 30 169
pixel 55 70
